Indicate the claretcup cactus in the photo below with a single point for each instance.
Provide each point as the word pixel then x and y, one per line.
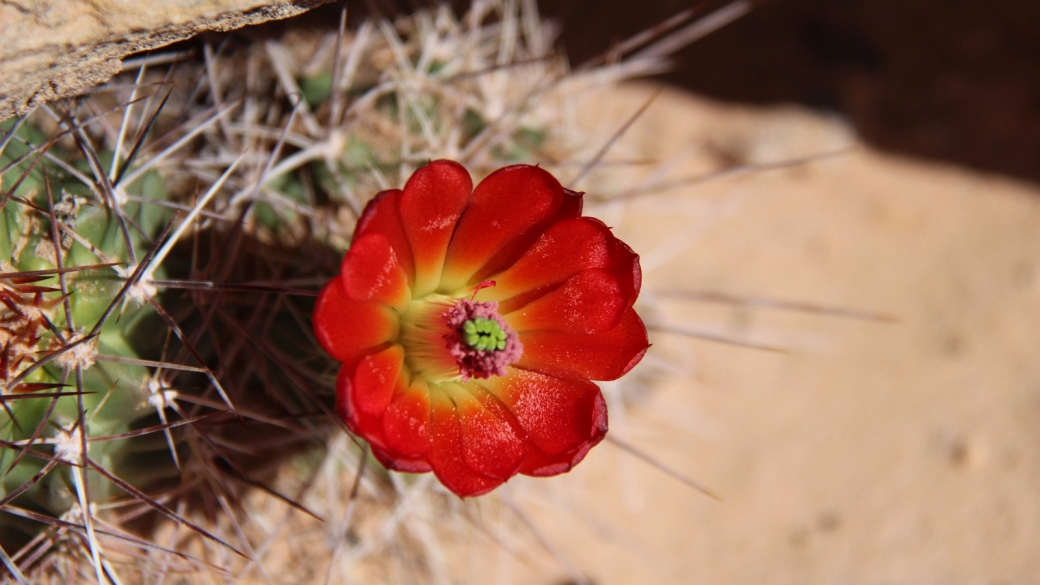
pixel 245 189
pixel 70 369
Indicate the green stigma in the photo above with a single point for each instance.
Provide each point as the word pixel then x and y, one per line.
pixel 484 334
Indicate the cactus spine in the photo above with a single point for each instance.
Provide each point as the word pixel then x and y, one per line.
pixel 70 366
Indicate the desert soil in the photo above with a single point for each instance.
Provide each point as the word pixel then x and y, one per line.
pixel 870 451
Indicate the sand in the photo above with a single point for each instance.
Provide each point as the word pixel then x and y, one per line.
pixel 870 451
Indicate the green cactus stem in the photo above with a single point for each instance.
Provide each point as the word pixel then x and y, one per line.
pixel 67 357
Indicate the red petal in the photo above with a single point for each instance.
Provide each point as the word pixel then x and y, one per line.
pixel 512 203
pixel 370 428
pixel 398 462
pixel 490 444
pixel 406 422
pixel 375 380
pixel 560 415
pixel 363 425
pixel 538 464
pixel 382 216
pixel 600 356
pixel 572 204
pixel 507 255
pixel 447 457
pixel 347 328
pixel 565 249
pixel 592 301
pixel 432 201
pixel 372 272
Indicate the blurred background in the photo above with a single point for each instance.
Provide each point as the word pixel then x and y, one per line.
pixel 948 80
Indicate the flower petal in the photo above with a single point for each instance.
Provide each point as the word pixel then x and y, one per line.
pixel 565 249
pixel 375 379
pixel 507 255
pixel 361 424
pixel 539 464
pixel 572 204
pixel 447 456
pixel 382 216
pixel 432 201
pixel 512 203
pixel 372 272
pixel 600 356
pixel 406 422
pixel 397 462
pixel 560 415
pixel 347 328
pixel 490 444
pixel 592 301
pixel 371 427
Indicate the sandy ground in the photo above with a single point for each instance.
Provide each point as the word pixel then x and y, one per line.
pixel 867 452
pixel 870 452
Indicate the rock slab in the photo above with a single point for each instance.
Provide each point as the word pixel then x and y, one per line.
pixel 50 49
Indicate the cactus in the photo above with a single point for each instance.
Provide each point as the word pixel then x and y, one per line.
pixel 193 223
pixel 71 335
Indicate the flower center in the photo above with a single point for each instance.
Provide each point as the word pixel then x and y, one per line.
pixel 484 334
pixel 448 339
pixel 480 340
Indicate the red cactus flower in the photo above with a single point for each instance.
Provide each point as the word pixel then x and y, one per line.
pixel 469 323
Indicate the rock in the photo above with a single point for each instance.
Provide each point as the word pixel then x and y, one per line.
pixel 50 49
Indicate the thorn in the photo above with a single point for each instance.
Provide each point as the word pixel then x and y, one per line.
pixel 141 496
pixel 135 149
pixel 42 274
pixel 712 336
pixel 156 428
pixel 617 136
pixel 801 306
pixel 646 458
pixel 12 568
pixel 225 466
pixel 341 534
